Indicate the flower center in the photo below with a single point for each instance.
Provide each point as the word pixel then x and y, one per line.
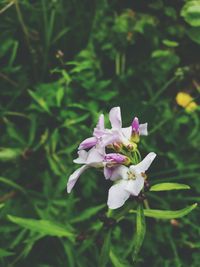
pixel 131 175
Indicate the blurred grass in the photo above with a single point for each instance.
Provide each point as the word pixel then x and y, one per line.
pixel 62 64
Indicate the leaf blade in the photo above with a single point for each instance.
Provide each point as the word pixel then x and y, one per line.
pixel 169 186
pixel 167 214
pixel 42 226
pixel 140 231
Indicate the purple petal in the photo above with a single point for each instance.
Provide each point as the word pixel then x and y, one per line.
pixel 74 177
pixel 134 187
pixel 143 129
pixel 87 143
pixel 144 164
pixel 135 125
pixel 117 195
pixel 115 118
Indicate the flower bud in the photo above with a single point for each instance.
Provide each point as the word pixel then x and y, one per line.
pixel 117 147
pixel 131 147
pixel 135 125
pixel 116 158
pixel 135 130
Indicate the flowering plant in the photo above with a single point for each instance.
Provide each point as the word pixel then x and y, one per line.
pixel 116 152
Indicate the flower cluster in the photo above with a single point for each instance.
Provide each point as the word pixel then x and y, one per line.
pixel 123 165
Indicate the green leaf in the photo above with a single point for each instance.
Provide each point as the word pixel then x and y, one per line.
pixel 167 214
pixel 104 255
pixel 115 260
pixel 2 205
pixel 194 34
pixel 191 13
pixel 168 186
pixel 12 184
pixel 140 231
pixel 41 101
pixel 59 96
pixel 43 226
pixel 7 154
pixel 170 43
pixel 87 214
pixel 5 253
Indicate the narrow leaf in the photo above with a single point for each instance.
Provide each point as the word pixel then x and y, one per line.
pixel 167 214
pixel 168 186
pixel 42 226
pixel 104 256
pixel 5 253
pixel 12 184
pixel 115 260
pixel 140 231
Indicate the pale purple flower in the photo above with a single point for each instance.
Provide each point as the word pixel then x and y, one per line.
pixel 97 133
pixel 129 181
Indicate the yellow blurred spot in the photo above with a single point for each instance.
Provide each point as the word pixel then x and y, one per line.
pixel 186 101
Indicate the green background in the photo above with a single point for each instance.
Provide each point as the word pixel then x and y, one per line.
pixel 62 64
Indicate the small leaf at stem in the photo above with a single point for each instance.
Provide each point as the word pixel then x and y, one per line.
pixel 167 214
pixel 168 186
pixel 140 231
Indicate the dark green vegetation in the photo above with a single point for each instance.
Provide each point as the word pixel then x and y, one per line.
pixel 62 64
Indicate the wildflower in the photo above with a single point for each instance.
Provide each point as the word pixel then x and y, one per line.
pixel 186 101
pixel 130 181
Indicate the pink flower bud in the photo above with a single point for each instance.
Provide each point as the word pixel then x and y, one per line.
pixel 135 126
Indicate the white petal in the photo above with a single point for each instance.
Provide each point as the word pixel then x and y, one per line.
pixel 110 138
pixel 117 195
pixel 119 172
pixel 82 157
pixel 115 117
pixel 100 124
pixel 74 177
pixel 145 164
pixel 95 156
pixel 135 186
pixel 143 129
pixel 127 132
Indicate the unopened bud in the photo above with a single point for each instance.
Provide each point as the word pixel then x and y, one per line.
pixel 131 147
pixel 117 147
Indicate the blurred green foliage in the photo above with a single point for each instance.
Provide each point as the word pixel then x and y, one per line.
pixel 62 64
